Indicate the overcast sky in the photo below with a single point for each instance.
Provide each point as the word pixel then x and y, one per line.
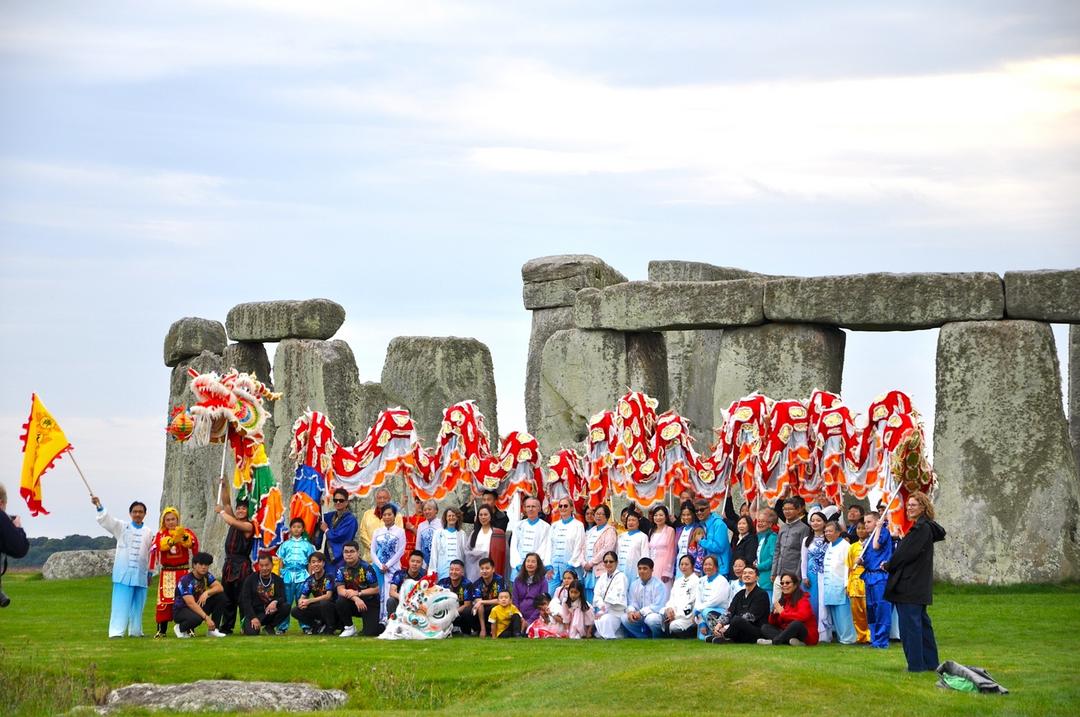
pixel 160 160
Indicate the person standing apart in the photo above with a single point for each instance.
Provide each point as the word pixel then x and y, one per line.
pixel 911 583
pixel 567 546
pixel 131 567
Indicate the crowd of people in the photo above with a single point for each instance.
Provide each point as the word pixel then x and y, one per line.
pixel 779 575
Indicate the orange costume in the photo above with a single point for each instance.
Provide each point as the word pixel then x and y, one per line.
pixel 173 551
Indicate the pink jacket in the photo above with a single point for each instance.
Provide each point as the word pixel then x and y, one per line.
pixel 607 540
pixel 662 551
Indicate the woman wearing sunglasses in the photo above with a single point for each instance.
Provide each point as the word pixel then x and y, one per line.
pixel 609 599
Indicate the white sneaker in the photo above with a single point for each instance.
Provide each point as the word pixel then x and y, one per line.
pixel 215 633
pixel 348 631
pixel 764 641
pixel 180 633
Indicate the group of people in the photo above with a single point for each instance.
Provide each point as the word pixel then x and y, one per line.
pixel 718 576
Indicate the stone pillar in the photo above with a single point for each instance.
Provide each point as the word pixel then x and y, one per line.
pixel 322 376
pixel 778 360
pixel 584 372
pixel 1008 490
pixel 426 374
pixel 1074 389
pixel 550 285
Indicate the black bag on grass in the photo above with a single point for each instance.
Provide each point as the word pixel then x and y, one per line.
pixel 953 676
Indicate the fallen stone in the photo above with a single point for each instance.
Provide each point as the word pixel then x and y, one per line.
pixel 71 564
pixel 1008 488
pixel 551 281
pixel 190 481
pixel 322 376
pixel 191 336
pixel 778 360
pixel 427 374
pixel 674 270
pixel 278 320
pixel 226 696
pixel 691 367
pixel 673 305
pixel 545 322
pixel 886 302
pixel 584 372
pixel 1049 295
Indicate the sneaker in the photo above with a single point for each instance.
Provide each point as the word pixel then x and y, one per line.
pixel 348 631
pixel 764 641
pixel 796 642
pixel 306 630
pixel 180 633
pixel 215 633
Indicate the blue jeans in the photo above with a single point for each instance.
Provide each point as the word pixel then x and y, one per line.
pixel 917 636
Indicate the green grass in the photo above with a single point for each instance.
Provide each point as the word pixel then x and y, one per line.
pixel 54 655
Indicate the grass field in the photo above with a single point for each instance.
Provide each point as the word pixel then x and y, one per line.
pixel 54 655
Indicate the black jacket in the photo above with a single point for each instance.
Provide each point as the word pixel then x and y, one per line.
pixel 747 550
pixel 498 520
pixel 911 569
pixel 13 540
pixel 753 608
pixel 252 605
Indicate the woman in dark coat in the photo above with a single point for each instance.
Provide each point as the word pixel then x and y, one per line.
pixel 911 584
pixel 743 544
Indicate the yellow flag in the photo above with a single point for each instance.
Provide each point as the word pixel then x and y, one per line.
pixel 43 442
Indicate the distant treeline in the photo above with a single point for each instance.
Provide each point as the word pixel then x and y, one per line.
pixel 42 548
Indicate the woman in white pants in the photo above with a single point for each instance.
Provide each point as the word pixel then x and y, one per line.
pixel 609 599
pixel 679 610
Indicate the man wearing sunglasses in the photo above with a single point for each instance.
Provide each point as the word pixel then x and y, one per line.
pixel 567 545
pixel 340 528
pixel 716 541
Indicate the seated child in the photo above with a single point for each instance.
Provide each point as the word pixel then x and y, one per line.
pixel 505 618
pixel 577 615
pixel 546 624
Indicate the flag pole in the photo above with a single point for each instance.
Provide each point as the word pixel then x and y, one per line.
pixel 75 463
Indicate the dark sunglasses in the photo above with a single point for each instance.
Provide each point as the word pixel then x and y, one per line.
pixel 340 500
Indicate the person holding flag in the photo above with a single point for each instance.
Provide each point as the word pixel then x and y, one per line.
pixel 131 567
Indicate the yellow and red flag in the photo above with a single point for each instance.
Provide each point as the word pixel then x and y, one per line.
pixel 43 442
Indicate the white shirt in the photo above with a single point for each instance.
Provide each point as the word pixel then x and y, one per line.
pixel 632 548
pixel 609 593
pixel 132 560
pixel 684 592
pixel 530 537
pixel 568 543
pixel 446 546
pixel 712 593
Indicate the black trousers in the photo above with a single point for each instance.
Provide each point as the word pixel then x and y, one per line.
pixel 741 630
pixel 232 605
pixel 317 616
pixel 269 622
pixel 515 628
pixel 345 610
pixel 188 619
pixel 780 637
pixel 467 622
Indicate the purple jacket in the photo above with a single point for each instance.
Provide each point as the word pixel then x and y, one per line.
pixel 524 597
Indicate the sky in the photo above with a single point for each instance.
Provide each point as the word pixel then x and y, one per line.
pixel 160 160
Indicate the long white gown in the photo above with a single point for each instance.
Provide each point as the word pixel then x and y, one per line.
pixel 609 603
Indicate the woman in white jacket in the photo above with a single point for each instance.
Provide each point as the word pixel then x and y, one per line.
pixel 712 597
pixel 834 583
pixel 679 610
pixel 609 599
pixel 131 567
pixel 633 546
pixel 448 544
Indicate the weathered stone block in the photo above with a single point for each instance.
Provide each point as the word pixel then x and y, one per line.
pixel 71 564
pixel 322 376
pixel 886 302
pixel 545 322
pixel 778 360
pixel 691 365
pixel 191 336
pixel 551 281
pixel 1008 488
pixel 674 270
pixel 231 696
pixel 1048 295
pixel 583 372
pixel 249 357
pixel 191 473
pixel 426 374
pixel 1074 389
pixel 673 305
pixel 278 320
pixel 371 401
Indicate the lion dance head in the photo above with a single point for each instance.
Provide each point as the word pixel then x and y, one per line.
pixel 427 612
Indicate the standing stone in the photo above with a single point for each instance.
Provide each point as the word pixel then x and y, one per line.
pixel 322 376
pixel 371 401
pixel 779 360
pixel 550 284
pixel 1074 389
pixel 1008 488
pixel 584 372
pixel 1049 295
pixel 427 374
pixel 277 320
pixel 691 366
pixel 189 337
pixel 191 473
pixel 249 357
